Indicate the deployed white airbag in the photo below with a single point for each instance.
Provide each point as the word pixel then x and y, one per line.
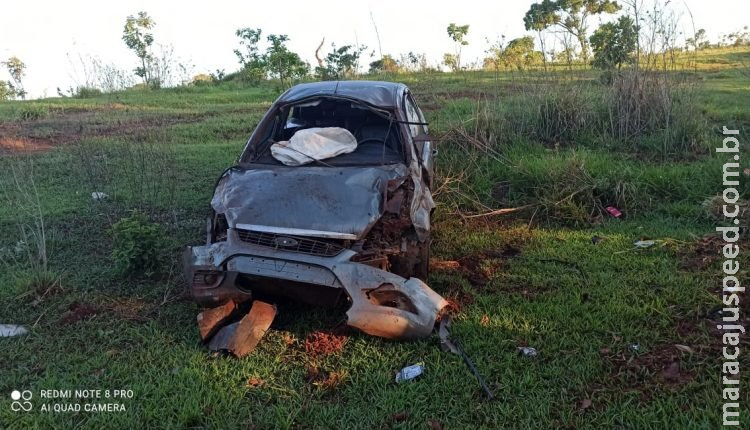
pixel 313 144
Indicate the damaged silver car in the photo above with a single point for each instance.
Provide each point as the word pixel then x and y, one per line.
pixel 330 201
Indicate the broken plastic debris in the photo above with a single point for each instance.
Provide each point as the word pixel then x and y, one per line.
pixel 242 337
pixel 99 196
pixel 527 351
pixel 644 243
pixel 634 347
pixel 12 330
pixel 409 372
pixel 210 319
pixel 614 211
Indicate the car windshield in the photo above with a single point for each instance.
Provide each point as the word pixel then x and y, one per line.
pixel 376 132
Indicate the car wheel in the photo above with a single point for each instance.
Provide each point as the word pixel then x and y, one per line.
pixel 415 262
pixel 422 267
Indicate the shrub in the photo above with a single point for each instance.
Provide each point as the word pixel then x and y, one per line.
pixel 86 92
pixel 138 245
pixel 563 116
pixel 30 112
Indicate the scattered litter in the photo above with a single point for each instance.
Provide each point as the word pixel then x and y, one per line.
pixel 527 351
pixel 684 348
pixel 634 347
pixel 644 243
pixel 614 211
pixel 596 239
pixel 585 404
pixel 12 330
pixel 485 321
pixel 255 382
pixel 99 196
pixel 409 372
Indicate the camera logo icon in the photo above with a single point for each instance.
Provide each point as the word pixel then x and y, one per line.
pixel 21 401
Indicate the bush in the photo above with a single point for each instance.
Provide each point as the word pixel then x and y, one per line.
pixel 31 112
pixel 138 245
pixel 563 116
pixel 86 92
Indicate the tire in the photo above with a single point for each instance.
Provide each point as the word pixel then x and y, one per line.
pixel 422 267
pixel 415 262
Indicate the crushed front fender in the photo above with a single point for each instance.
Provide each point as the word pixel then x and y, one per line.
pixel 387 305
pixel 382 304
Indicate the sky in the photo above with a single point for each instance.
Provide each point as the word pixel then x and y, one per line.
pixel 52 36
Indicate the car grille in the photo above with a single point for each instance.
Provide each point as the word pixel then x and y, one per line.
pixel 303 245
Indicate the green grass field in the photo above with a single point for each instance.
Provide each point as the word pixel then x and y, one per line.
pixel 533 278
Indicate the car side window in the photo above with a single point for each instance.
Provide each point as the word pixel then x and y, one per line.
pixel 414 116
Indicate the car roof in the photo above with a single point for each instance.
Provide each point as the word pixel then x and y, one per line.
pixel 377 93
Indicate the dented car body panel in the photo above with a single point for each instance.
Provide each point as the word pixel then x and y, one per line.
pixel 344 200
pixel 353 228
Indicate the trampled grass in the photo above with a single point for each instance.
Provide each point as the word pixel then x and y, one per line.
pixel 530 279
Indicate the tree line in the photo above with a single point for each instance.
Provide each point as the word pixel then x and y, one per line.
pixel 610 46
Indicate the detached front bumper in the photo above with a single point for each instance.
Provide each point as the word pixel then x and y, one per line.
pixel 382 304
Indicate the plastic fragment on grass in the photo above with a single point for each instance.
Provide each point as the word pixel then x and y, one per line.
pixel 527 351
pixel 614 211
pixel 242 337
pixel 634 347
pixel 12 330
pixel 409 372
pixel 99 196
pixel 210 319
pixel 644 243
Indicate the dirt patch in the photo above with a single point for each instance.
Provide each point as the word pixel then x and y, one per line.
pixel 659 367
pixel 477 268
pixel 77 312
pixel 320 343
pixel 129 309
pixel 323 378
pixel 702 254
pixel 23 145
pixel 73 125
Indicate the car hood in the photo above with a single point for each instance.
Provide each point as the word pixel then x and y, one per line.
pixel 342 202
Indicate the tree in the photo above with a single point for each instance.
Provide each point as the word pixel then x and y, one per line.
pixel 276 62
pixel 281 63
pixel 386 64
pixel 458 34
pixel 251 59
pixel 6 91
pixel 699 40
pixel 614 43
pixel 137 37
pixel 519 53
pixel 340 63
pixel 17 71
pixel 569 15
